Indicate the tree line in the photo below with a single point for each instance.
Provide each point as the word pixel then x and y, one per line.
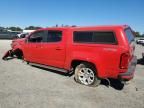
pixel 18 28
pixel 137 34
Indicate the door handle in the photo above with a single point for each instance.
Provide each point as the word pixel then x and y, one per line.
pixel 37 46
pixel 58 48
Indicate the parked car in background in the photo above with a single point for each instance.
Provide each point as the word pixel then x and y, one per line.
pixel 22 35
pixel 91 53
pixel 140 41
pixel 8 34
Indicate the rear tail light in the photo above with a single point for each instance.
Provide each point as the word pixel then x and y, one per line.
pixel 124 61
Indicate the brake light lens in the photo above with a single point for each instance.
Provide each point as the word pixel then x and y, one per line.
pixel 124 62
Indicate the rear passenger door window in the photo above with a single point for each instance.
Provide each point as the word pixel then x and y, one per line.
pixel 54 36
pixel 94 37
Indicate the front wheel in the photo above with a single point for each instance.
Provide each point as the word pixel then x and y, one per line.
pixel 19 54
pixel 85 74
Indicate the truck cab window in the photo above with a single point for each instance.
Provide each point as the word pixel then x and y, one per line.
pixel 37 37
pixel 54 36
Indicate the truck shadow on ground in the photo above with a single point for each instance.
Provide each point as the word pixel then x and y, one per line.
pixel 114 83
pixel 140 61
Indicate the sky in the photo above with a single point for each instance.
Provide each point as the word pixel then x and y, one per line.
pixel 48 13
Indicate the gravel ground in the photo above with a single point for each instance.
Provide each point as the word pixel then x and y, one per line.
pixel 24 86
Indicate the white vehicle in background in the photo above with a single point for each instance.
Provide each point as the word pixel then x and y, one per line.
pixel 28 31
pixel 24 33
pixel 140 41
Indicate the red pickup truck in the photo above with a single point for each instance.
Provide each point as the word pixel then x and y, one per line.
pixel 92 53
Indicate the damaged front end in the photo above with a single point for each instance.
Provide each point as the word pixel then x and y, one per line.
pixel 8 54
pixel 15 51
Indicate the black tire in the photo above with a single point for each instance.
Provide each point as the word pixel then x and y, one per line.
pixel 19 55
pixel 91 78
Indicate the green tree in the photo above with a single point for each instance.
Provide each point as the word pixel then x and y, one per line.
pixel 32 28
pixel 14 28
pixel 137 34
pixel 2 29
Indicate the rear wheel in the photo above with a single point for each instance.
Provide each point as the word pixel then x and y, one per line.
pixel 85 74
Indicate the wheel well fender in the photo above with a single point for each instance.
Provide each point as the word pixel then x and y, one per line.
pixel 74 63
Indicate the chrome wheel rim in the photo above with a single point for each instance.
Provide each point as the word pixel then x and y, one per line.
pixel 86 76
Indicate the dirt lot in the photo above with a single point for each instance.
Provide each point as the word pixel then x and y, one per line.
pixel 24 86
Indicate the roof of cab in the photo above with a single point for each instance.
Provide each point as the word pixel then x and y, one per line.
pixel 87 27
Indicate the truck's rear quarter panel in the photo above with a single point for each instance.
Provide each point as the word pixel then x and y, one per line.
pixel 106 57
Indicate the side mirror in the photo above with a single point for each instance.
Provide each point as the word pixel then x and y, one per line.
pixel 23 36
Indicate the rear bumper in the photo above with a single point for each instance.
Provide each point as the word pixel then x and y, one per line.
pixel 131 70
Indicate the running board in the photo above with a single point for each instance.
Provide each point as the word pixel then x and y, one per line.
pixel 49 67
